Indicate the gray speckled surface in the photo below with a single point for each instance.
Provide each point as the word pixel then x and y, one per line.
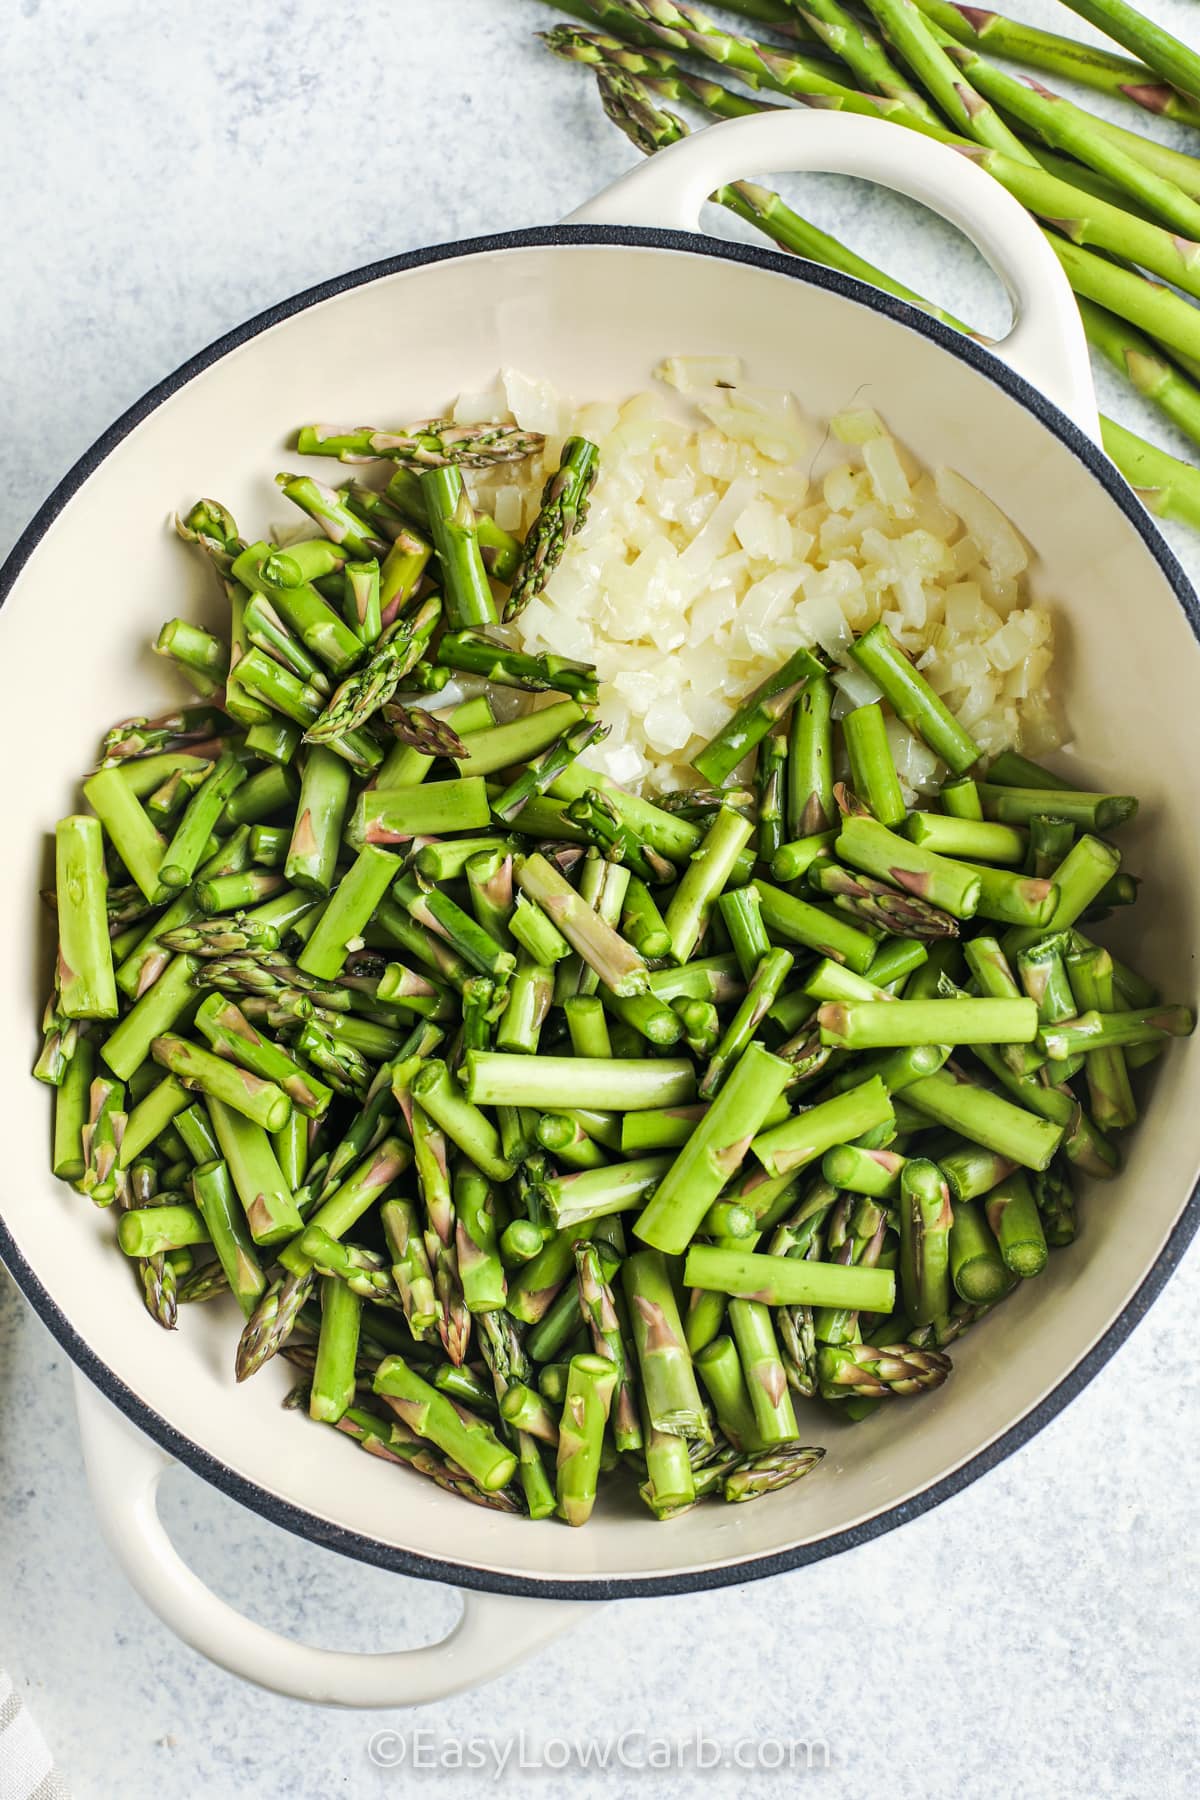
pixel 171 169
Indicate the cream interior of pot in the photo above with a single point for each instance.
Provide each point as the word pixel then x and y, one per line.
pixel 74 656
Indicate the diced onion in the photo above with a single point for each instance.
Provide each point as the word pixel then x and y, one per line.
pixel 692 373
pixel 718 544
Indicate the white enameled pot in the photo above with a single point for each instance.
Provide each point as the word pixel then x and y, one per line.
pixel 592 305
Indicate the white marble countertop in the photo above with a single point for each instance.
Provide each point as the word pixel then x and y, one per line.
pixel 170 170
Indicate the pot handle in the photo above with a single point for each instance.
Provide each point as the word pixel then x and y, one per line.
pixel 1045 343
pixel 124 1468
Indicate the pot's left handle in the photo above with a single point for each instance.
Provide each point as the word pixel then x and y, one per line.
pixel 1045 342
pixel 124 1468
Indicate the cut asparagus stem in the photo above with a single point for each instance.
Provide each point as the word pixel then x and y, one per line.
pixel 127 825
pixel 1090 972
pixel 154 1230
pixel 538 775
pixel 271 1212
pixel 758 714
pixel 707 875
pixel 469 1441
pixel 599 1307
pixel 616 963
pixel 333 1383
pixel 348 912
pixel 411 1269
pixel 1096 1030
pixel 760 996
pixel 163 1005
pixel 977 1269
pixel 987 1119
pixel 1016 1225
pixel 770 777
pixel 469 600
pixel 912 698
pixel 789 1147
pixel 741 914
pixel 766 1378
pixel 591 1381
pixel 968 839
pixel 875 1025
pixel 71 1113
pixel 150 1118
pixel 872 770
pixel 86 982
pixel 926 1216
pixel 785 1281
pixel 714 1152
pixel 233 1036
pixel 720 1369
pixel 960 797
pixel 464 1124
pixel 1089 812
pixel 810 807
pixel 826 933
pixel 320 812
pixel 971 1170
pixel 867 845
pixel 668 1381
pixel 199 1071
pixel 577 1198
pixel 873 1172
pixel 301 608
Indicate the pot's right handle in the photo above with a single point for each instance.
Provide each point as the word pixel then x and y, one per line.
pixel 1045 343
pixel 124 1468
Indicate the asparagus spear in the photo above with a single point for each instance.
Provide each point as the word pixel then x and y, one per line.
pixel 394 655
pixel 477 654
pixel 616 963
pixel 877 904
pixel 977 1269
pixel 1175 62
pixel 1166 485
pixel 768 1473
pixel 412 1272
pixel 1087 64
pixel 428 444
pixel 563 512
pixel 875 1372
pixel 469 600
